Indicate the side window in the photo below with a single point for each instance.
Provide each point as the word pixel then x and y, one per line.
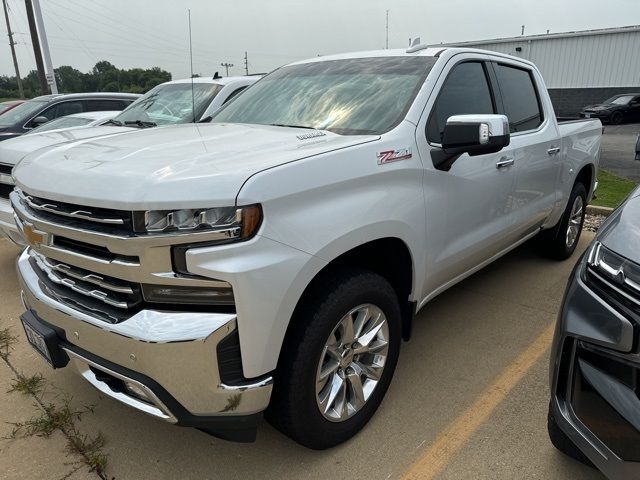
pixel 104 105
pixel 234 94
pixel 62 109
pixel 465 91
pixel 520 98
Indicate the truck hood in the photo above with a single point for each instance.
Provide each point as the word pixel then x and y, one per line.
pixel 621 231
pixel 15 149
pixel 182 166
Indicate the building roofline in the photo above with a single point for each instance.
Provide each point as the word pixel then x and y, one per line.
pixel 545 36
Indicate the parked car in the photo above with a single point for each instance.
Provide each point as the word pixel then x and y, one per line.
pixel 76 120
pixel 40 110
pixel 275 257
pixel 166 104
pixel 8 105
pixel 594 415
pixel 615 110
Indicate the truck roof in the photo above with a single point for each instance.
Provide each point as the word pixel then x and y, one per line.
pixel 418 50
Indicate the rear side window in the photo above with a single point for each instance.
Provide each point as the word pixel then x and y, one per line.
pixel 520 98
pixel 465 91
pixel 63 109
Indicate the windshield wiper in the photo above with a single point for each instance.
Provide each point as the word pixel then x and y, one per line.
pixel 141 123
pixel 291 126
pixel 117 123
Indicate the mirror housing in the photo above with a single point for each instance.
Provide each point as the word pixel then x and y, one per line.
pixel 475 134
pixel 39 120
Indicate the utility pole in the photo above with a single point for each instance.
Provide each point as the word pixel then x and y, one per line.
pixel 227 65
pixel 35 41
pixel 387 43
pixel 51 77
pixel 246 64
pixel 13 50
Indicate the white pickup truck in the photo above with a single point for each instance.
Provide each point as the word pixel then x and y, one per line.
pixel 169 103
pixel 275 258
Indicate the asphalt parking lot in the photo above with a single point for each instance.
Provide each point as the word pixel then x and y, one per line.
pixel 618 153
pixel 468 401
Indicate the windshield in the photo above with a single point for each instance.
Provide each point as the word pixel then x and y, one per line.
pixel 170 104
pixel 21 113
pixel 62 122
pixel 619 100
pixel 348 97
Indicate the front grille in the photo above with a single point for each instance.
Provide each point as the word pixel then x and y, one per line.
pixel 613 427
pixel 5 190
pixel 112 299
pixel 95 251
pixel 103 220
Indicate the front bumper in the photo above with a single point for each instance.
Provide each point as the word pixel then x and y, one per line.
pixel 171 354
pixel 595 372
pixel 8 228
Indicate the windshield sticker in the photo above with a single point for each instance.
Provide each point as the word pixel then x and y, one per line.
pixel 394 155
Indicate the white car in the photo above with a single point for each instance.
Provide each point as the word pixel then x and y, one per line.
pixel 166 104
pixel 76 120
pixel 275 258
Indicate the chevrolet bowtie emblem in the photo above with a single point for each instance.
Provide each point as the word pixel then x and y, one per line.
pixel 32 236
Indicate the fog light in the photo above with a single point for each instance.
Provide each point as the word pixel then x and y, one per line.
pixel 219 294
pixel 137 391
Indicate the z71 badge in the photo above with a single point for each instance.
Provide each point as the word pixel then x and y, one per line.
pixel 394 155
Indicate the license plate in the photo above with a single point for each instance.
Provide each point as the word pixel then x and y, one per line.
pixel 587 115
pixel 37 342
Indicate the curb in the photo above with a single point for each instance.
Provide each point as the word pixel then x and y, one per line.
pixel 595 210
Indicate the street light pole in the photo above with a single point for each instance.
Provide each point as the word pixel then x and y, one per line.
pixel 226 66
pixel 51 77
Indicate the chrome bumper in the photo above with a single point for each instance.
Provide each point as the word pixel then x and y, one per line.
pixel 175 351
pixel 8 228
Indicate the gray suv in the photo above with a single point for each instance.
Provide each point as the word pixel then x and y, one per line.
pixel 594 414
pixel 40 110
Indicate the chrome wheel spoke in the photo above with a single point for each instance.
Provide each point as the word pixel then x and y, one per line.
pixel 352 362
pixel 575 222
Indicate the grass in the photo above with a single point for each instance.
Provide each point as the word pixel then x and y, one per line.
pixel 612 189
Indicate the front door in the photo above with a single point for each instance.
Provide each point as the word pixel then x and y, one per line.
pixel 468 205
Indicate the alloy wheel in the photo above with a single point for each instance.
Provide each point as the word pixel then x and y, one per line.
pixel 575 221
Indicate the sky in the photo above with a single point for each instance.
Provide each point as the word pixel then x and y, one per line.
pixel 148 33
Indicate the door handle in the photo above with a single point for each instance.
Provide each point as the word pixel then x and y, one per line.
pixel 505 162
pixel 553 150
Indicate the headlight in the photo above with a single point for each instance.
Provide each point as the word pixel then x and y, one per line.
pixel 615 268
pixel 234 222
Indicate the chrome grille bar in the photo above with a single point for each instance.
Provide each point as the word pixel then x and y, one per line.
pixel 71 284
pixel 89 277
pixel 55 209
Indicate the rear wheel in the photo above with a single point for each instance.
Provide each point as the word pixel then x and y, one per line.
pixel 616 118
pixel 560 241
pixel 562 442
pixel 337 364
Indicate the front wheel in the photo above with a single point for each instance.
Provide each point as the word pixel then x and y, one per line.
pixel 616 118
pixel 337 364
pixel 561 241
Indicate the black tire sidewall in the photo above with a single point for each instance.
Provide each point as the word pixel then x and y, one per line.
pixel 307 424
pixel 558 247
pixel 616 118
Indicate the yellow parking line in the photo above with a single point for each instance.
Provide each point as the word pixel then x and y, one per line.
pixel 453 438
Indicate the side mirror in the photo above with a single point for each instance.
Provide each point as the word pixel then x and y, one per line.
pixel 39 120
pixel 638 147
pixel 475 134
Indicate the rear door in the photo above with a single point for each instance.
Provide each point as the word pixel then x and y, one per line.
pixel 535 144
pixel 469 203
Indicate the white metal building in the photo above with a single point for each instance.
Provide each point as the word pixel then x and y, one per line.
pixel 578 67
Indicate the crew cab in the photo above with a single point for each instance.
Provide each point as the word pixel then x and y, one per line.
pixel 166 104
pixel 274 258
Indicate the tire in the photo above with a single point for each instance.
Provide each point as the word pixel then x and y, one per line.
pixel 555 241
pixel 616 118
pixel 295 407
pixel 562 442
